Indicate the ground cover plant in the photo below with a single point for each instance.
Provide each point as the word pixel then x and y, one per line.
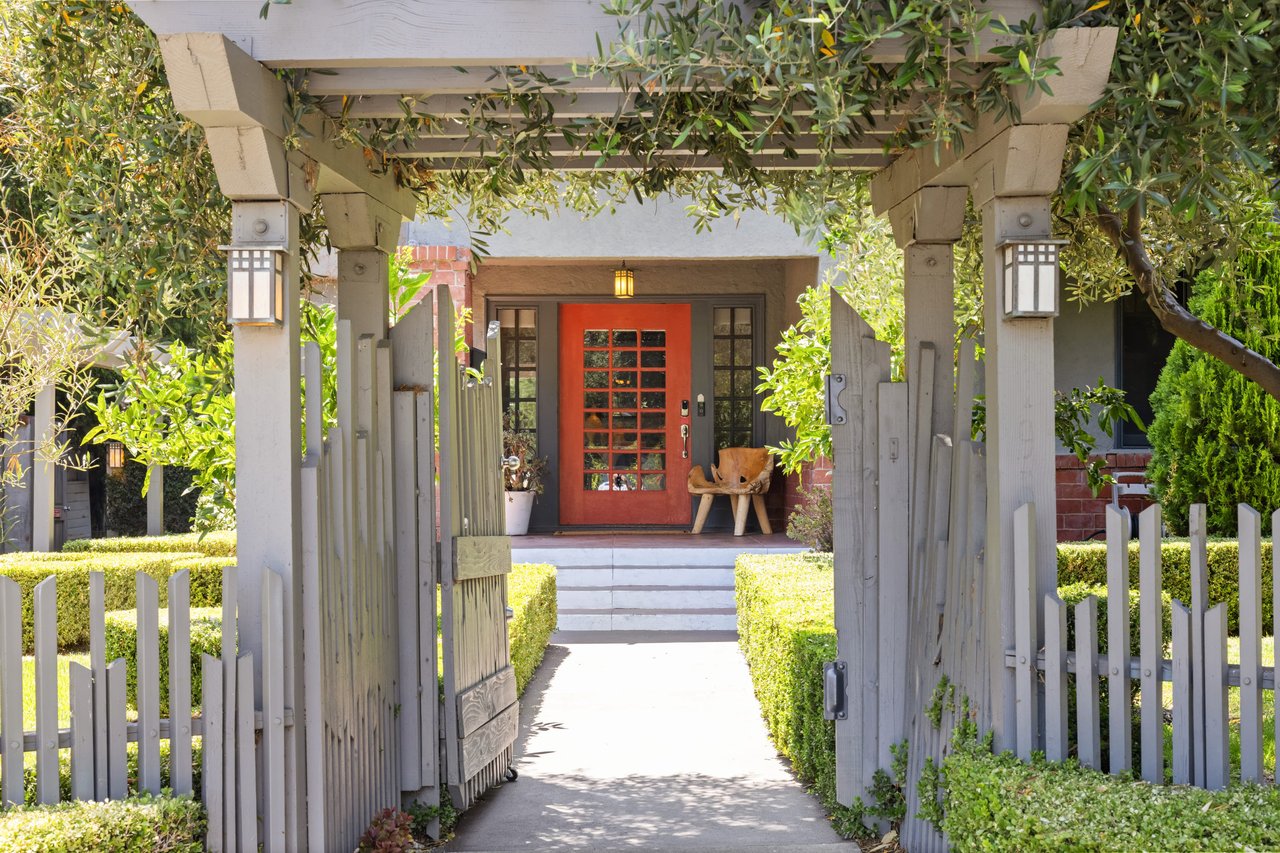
pixel 141 824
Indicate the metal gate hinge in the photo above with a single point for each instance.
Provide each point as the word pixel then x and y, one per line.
pixel 835 413
pixel 835 703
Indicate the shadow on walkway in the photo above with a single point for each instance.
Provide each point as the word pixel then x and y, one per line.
pixel 633 745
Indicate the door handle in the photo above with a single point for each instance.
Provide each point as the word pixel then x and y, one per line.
pixel 684 441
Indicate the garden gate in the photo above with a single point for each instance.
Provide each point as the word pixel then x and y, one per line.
pixel 481 715
pixel 910 529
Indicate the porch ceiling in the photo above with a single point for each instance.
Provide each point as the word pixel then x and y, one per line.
pixel 375 60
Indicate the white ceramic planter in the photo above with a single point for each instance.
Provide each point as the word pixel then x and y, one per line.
pixel 519 508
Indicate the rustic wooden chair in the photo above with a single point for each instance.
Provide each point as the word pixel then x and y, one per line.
pixel 744 475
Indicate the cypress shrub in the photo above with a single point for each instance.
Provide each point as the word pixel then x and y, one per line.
pixel 1215 438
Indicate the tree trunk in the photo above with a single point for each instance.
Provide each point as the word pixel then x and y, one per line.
pixel 1126 236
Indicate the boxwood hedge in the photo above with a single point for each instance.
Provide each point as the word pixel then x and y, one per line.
pixel 143 824
pixel 72 572
pixel 996 802
pixel 1086 562
pixel 122 642
pixel 219 543
pixel 531 593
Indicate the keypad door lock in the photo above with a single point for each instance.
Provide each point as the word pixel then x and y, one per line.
pixel 684 408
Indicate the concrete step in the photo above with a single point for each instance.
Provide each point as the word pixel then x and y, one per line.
pixel 695 555
pixel 646 597
pixel 642 619
pixel 627 576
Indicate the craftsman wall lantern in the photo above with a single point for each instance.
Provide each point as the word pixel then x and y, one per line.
pixel 255 285
pixel 624 282
pixel 115 458
pixel 1032 277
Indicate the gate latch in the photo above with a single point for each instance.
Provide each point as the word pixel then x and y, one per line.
pixel 835 691
pixel 835 413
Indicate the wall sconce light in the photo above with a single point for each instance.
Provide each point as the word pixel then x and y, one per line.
pixel 1032 277
pixel 255 285
pixel 624 282
pixel 115 458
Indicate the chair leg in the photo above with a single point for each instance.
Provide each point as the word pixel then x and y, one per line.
pixel 704 509
pixel 740 515
pixel 761 516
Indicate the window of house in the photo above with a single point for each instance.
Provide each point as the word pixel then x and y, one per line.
pixel 1144 347
pixel 734 376
pixel 520 367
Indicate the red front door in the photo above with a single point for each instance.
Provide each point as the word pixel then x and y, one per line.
pixel 624 413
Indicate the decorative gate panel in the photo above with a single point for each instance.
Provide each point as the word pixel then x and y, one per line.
pixel 481 715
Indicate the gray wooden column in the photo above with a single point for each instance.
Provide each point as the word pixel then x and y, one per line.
pixel 155 502
pixel 1020 443
pixel 268 428
pixel 43 438
pixel 364 232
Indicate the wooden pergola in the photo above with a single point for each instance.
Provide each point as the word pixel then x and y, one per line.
pixel 368 58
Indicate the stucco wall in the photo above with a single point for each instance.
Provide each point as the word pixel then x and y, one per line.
pixel 1085 349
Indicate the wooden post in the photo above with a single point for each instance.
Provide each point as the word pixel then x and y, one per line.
pixel 42 488
pixel 155 501
pixel 1020 444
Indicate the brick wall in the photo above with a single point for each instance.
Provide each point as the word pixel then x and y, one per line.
pixel 450 266
pixel 1080 514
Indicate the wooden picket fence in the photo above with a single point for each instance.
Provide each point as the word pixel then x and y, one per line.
pixel 234 736
pixel 1197 667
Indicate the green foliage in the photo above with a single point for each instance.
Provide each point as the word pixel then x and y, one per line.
pixel 812 521
pixel 1216 436
pixel 786 630
pixel 180 414
pixel 141 824
pixel 31 788
pixel 527 472
pixel 1073 593
pixel 793 387
pixel 122 642
pixel 999 803
pixel 531 594
pixel 1086 563
pixel 1074 411
pixel 888 787
pixel 127 508
pixel 220 543
pixel 119 571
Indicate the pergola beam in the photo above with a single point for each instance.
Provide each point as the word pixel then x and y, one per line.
pixel 687 162
pixel 461 146
pixel 440 33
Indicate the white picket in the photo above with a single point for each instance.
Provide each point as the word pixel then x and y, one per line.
pixel 1250 591
pixel 211 713
pixel 98 666
pixel 81 684
pixel 117 730
pixel 148 677
pixel 1088 714
pixel 180 757
pixel 274 835
pixel 1151 644
pixel 1216 720
pixel 245 756
pixel 11 726
pixel 1121 742
pixel 1199 604
pixel 45 607
pixel 1025 605
pixel 1056 746
pixel 1182 709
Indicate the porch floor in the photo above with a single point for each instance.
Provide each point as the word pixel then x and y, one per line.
pixel 646 741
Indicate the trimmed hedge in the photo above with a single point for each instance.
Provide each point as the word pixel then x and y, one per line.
pixel 219 543
pixel 143 824
pixel 786 630
pixel 122 642
pixel 531 592
pixel 996 802
pixel 30 789
pixel 1073 594
pixel 1086 562
pixel 120 585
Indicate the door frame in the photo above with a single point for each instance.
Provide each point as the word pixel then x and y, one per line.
pixel 546 509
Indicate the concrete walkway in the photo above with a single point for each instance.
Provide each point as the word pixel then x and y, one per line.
pixel 646 742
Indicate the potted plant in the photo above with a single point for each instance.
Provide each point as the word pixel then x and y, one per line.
pixel 522 471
